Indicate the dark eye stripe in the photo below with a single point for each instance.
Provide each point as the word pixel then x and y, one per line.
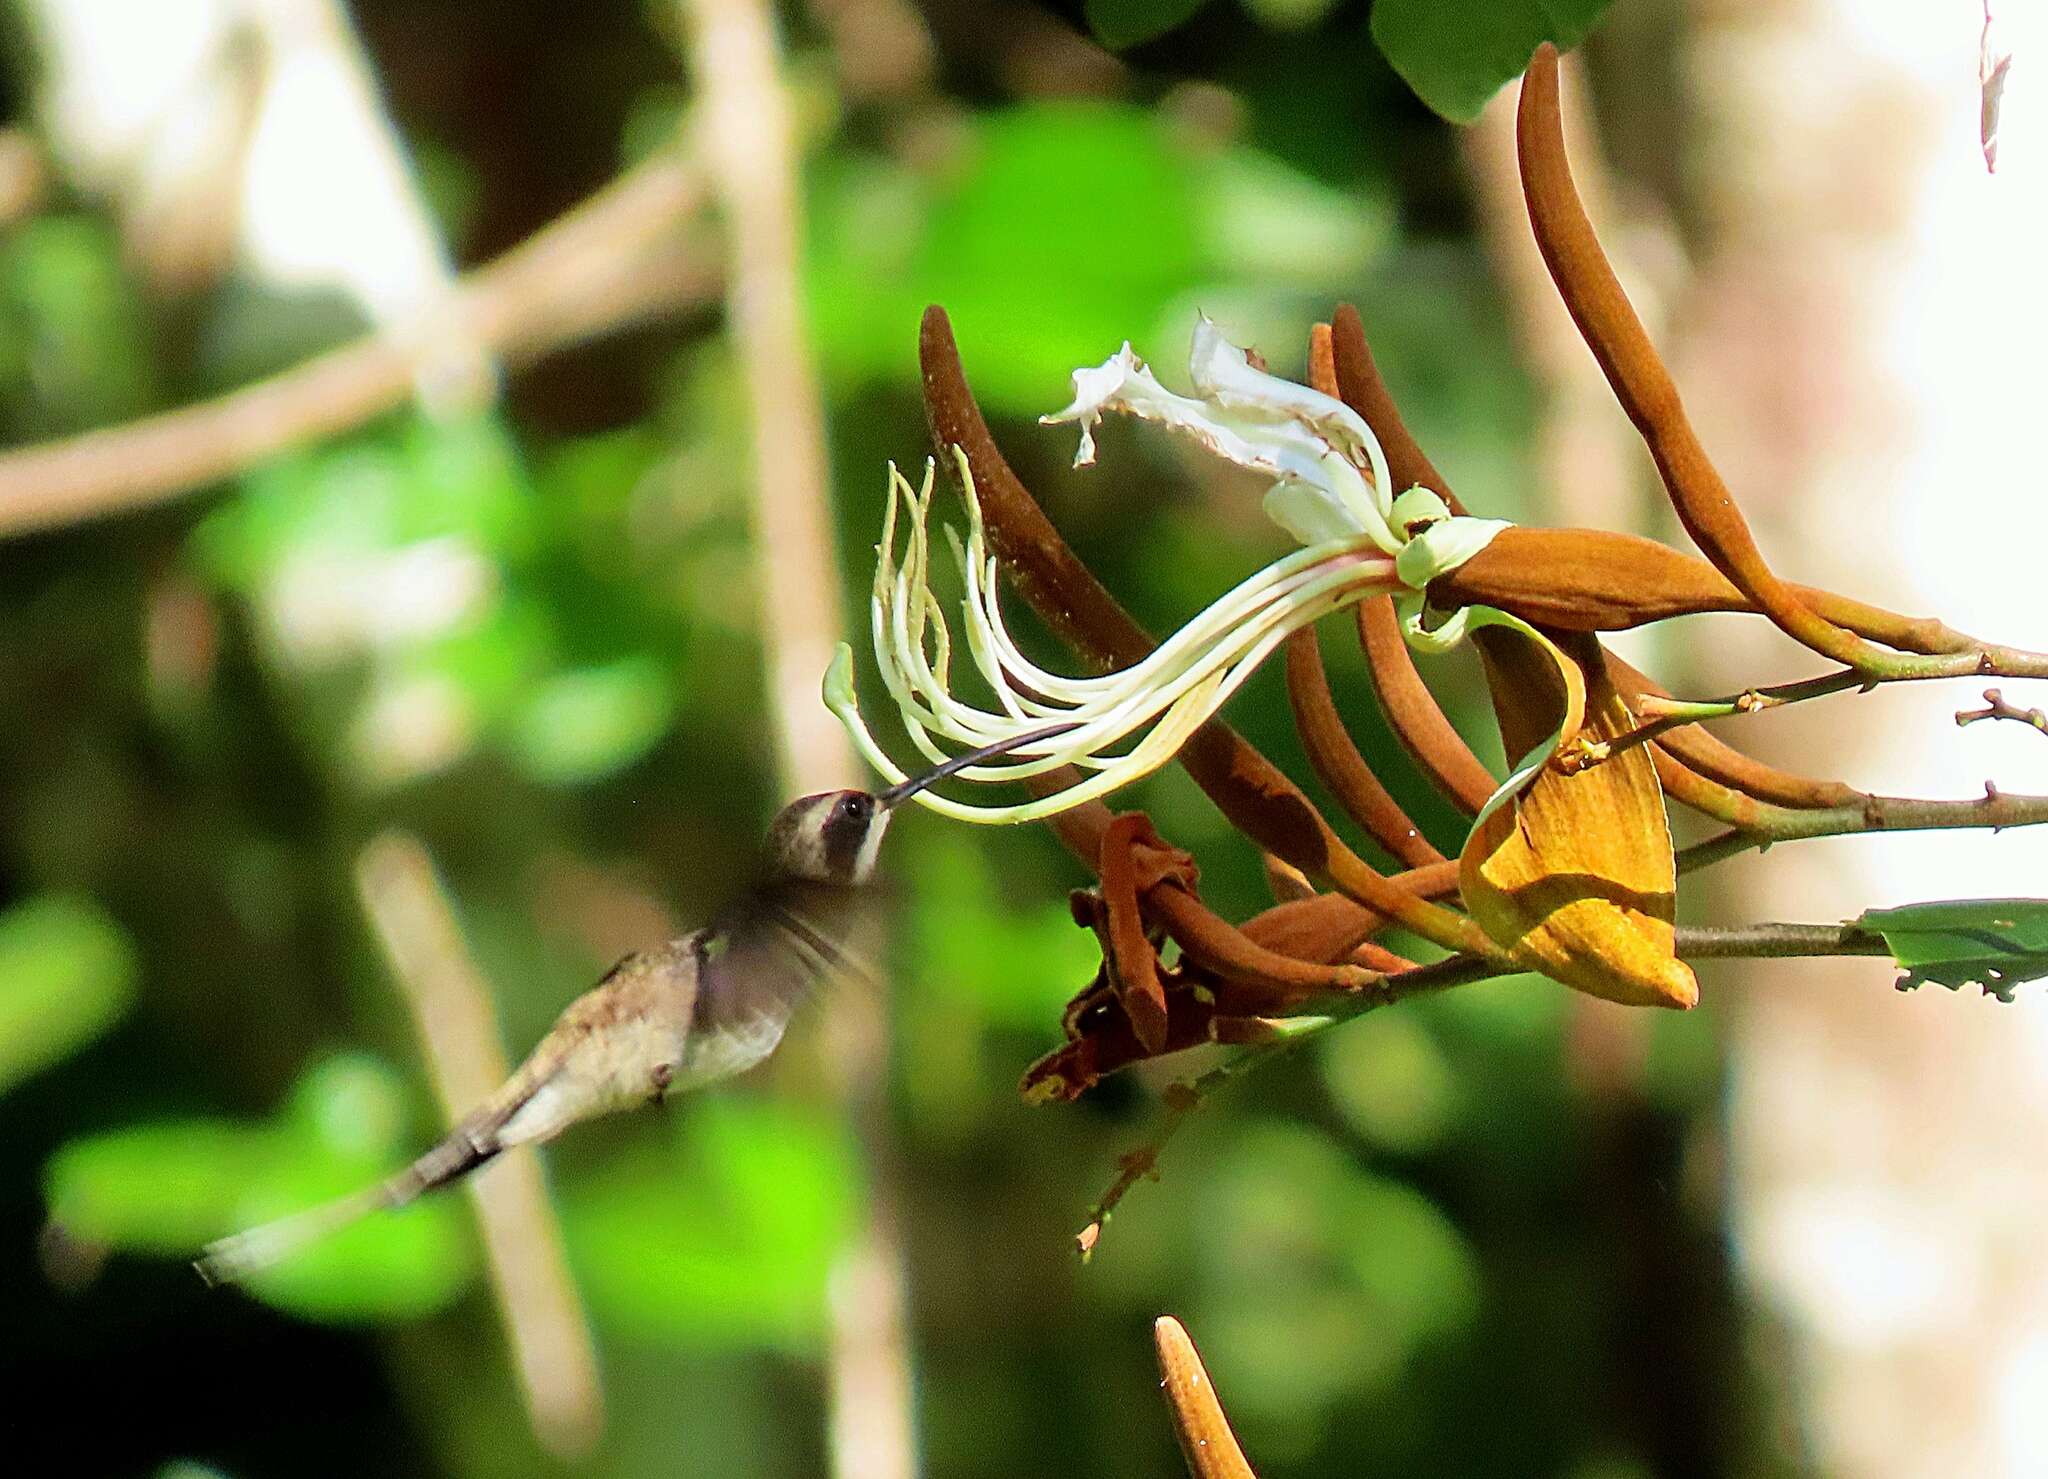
pixel 845 830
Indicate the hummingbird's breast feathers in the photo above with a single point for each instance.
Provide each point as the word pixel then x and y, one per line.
pixel 618 1045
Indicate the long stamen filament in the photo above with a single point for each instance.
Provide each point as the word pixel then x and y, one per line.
pixel 1161 700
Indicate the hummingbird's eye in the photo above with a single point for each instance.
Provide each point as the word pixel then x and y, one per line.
pixel 853 807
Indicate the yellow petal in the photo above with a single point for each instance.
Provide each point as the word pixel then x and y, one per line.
pixel 1576 878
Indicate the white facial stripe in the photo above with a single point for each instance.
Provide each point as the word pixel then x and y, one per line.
pixel 864 865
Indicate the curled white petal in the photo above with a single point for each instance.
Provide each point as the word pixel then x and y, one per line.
pixel 1318 450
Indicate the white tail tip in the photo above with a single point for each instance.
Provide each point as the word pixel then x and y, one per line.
pixel 241 1255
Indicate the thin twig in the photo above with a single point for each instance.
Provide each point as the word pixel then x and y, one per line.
pixel 1995 809
pixel 451 1006
pixel 1182 1100
pixel 1662 715
pixel 601 265
pixel 1996 707
pixel 1763 941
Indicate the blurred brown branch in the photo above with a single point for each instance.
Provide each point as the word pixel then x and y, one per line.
pixel 750 154
pixel 612 260
pixel 451 1005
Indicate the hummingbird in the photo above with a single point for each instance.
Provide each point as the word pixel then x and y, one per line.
pixel 696 1010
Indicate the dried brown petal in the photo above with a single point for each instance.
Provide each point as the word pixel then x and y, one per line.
pixel 1134 963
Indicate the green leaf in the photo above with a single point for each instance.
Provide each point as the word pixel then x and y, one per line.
pixel 728 1242
pixel 1456 54
pixel 591 722
pixel 1118 24
pixel 1994 943
pixel 1110 204
pixel 169 1187
pixel 164 1188
pixel 67 974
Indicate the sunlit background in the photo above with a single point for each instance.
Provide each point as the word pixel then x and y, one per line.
pixel 351 725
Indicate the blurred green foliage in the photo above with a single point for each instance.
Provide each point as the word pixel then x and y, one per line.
pixel 1455 53
pixel 168 1186
pixel 67 974
pixel 529 636
pixel 726 1237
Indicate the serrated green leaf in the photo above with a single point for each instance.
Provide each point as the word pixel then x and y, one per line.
pixel 1118 24
pixel 1456 54
pixel 67 974
pixel 1997 944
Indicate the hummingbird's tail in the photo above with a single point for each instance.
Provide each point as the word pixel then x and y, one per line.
pixel 232 1259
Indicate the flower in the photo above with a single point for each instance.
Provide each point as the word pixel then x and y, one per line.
pixel 1160 701
pixel 1331 491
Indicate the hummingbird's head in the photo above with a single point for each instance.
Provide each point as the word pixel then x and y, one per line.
pixel 833 837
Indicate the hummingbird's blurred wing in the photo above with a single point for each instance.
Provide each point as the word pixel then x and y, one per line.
pixel 761 963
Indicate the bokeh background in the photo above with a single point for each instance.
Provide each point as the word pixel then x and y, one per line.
pixel 433 677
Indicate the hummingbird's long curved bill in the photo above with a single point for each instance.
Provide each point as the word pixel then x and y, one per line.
pixel 903 790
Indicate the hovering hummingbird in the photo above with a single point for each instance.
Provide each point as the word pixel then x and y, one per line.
pixel 688 1013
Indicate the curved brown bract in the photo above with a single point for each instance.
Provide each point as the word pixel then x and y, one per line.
pixel 1592 585
pixel 1134 964
pixel 1639 378
pixel 1586 580
pixel 1411 710
pixel 1205 1438
pixel 1048 574
pixel 1595 580
pixel 1414 715
pixel 1336 760
pixel 1360 387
